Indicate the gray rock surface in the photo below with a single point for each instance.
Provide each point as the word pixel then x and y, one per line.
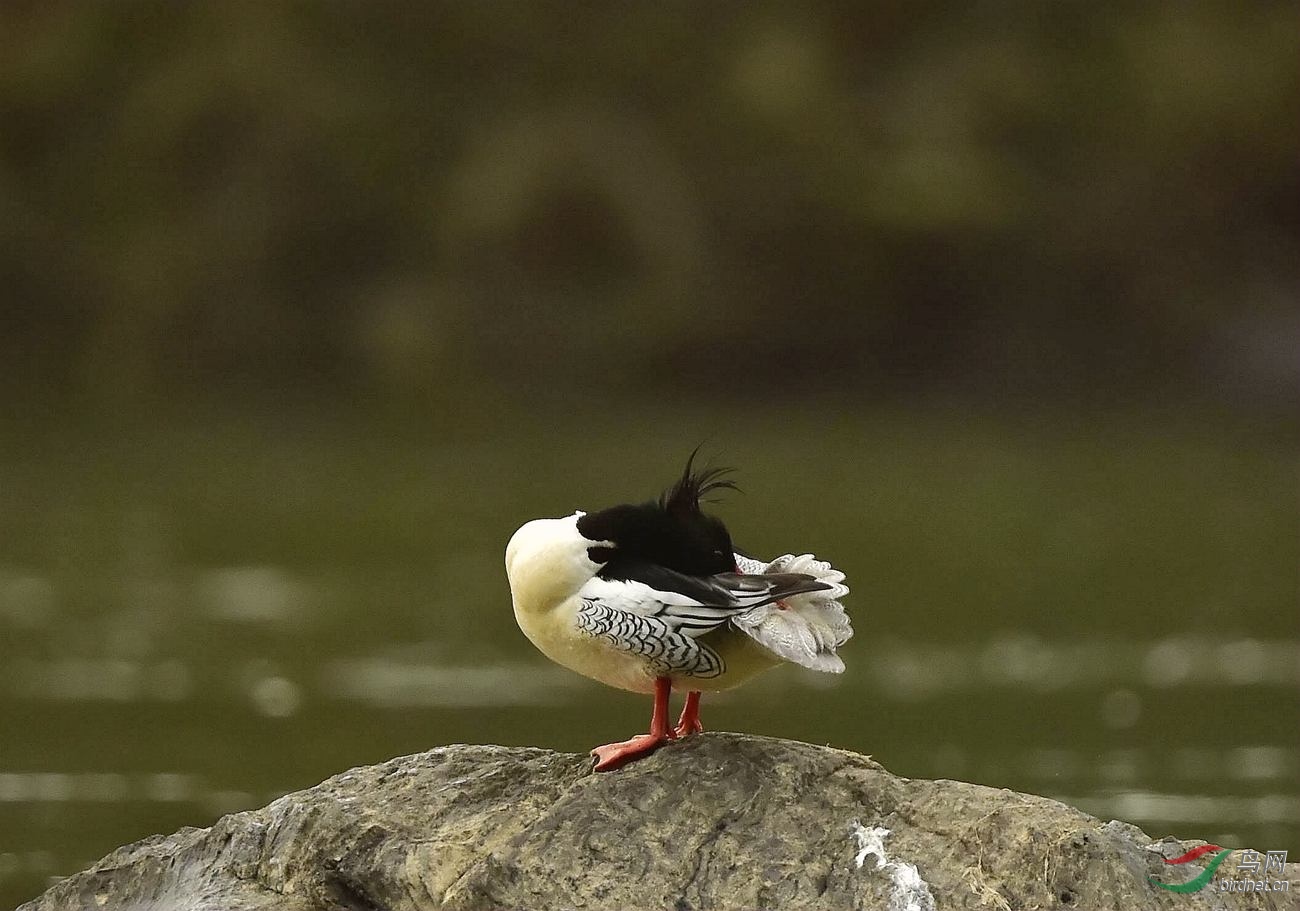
pixel 719 821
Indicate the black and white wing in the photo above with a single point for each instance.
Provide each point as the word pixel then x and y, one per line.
pixel 658 613
pixel 692 605
pixel 665 649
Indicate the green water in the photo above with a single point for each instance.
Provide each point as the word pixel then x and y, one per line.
pixel 198 618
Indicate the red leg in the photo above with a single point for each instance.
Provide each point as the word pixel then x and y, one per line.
pixel 689 723
pixel 613 755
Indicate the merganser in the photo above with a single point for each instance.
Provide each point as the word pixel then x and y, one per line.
pixel 647 597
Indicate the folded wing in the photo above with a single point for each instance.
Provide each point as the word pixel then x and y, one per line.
pixel 693 605
pixel 664 648
pixel 789 606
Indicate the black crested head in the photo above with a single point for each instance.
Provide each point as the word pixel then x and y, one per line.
pixel 674 531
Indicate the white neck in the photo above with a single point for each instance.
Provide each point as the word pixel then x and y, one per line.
pixel 547 562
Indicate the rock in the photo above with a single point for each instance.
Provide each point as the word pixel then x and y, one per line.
pixel 718 821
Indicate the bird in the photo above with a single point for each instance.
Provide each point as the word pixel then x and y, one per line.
pixel 652 596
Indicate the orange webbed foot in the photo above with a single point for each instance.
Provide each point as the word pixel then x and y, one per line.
pixel 616 755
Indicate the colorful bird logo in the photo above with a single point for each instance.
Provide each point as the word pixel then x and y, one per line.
pixel 1199 883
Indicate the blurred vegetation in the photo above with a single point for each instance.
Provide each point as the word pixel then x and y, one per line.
pixel 415 204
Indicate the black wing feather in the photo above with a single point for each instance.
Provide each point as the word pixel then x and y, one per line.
pixel 723 590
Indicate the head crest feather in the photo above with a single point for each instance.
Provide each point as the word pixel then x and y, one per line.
pixel 683 498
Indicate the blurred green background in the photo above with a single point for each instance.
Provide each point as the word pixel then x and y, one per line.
pixel 306 306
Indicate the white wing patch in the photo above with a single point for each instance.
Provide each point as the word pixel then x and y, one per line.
pixel 680 613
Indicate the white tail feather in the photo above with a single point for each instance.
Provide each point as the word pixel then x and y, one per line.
pixel 805 629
